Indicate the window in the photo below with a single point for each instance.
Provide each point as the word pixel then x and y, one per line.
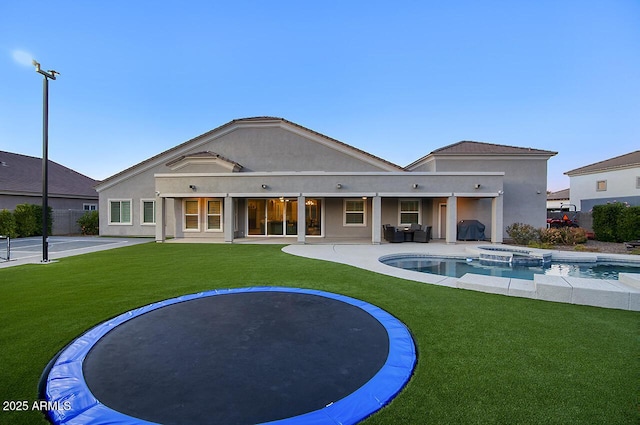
pixel 148 211
pixel 191 214
pixel 637 182
pixel 120 211
pixel 355 212
pixel 90 207
pixel 601 185
pixel 409 211
pixel 214 215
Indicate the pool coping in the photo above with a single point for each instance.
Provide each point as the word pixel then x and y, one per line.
pixel 622 294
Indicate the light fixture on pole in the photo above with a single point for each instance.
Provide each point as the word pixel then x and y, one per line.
pixel 51 74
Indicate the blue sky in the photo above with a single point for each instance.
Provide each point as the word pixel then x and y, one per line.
pixel 396 79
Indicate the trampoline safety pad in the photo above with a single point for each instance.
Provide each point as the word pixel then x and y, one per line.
pixel 234 356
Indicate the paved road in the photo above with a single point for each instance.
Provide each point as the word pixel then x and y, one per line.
pixel 29 250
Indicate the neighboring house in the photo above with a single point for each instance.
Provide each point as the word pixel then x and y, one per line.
pixel 556 200
pixel 615 179
pixel 265 177
pixel 21 183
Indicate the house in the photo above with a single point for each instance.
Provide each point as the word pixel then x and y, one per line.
pixel 613 180
pixel 268 177
pixel 68 190
pixel 556 200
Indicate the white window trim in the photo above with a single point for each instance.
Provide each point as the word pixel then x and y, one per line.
pixel 345 212
pixel 142 222
pixel 184 215
pixel 638 182
pixel 128 223
pixel 206 215
pixel 90 207
pixel 400 223
pixel 598 186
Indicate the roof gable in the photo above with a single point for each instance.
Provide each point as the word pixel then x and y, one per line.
pixel 206 158
pixel 23 174
pixel 631 159
pixel 218 133
pixel 471 148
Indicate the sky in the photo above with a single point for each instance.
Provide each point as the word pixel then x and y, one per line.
pixel 396 79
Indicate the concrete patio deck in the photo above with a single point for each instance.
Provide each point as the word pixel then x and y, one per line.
pixel 619 294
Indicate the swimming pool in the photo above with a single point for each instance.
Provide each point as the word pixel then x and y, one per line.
pixel 457 267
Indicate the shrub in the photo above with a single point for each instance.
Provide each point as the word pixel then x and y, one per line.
pixel 26 221
pixel 629 224
pixel 523 234
pixel 552 236
pixel 29 220
pixel 89 223
pixel 616 222
pixel 573 235
pixel 7 224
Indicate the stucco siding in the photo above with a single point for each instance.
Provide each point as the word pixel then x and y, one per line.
pixel 525 185
pixel 277 149
pixel 618 184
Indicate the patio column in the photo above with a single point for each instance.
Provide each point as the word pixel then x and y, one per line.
pixel 228 215
pixel 160 220
pixel 376 220
pixel 452 219
pixel 497 219
pixel 302 219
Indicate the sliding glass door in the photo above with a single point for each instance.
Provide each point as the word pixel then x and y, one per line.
pixel 279 217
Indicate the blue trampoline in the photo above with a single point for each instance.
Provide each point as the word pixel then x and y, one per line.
pixel 236 356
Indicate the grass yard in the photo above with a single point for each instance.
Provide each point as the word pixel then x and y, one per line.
pixel 481 358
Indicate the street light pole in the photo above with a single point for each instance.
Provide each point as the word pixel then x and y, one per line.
pixel 45 157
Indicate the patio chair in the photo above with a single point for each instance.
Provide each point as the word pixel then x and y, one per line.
pixel 422 235
pixel 415 226
pixel 393 235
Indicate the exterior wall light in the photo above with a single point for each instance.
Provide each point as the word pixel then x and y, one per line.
pixel 264 186
pixel 338 186
pixel 193 187
pixel 477 185
pixel 415 185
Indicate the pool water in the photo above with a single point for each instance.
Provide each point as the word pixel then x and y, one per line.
pixel 459 267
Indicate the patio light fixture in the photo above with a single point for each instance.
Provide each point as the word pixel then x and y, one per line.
pixel 51 74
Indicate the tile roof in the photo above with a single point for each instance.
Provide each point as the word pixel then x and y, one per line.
pixel 466 147
pixel 23 174
pixel 622 161
pixel 556 196
pixel 481 148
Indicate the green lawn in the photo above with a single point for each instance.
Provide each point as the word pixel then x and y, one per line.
pixel 481 358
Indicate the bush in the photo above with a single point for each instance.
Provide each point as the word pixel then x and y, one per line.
pixel 616 222
pixel 552 236
pixel 7 224
pixel 629 224
pixel 89 223
pixel 28 219
pixel 523 234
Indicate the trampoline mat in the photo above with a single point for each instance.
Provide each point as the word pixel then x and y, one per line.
pixel 236 358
